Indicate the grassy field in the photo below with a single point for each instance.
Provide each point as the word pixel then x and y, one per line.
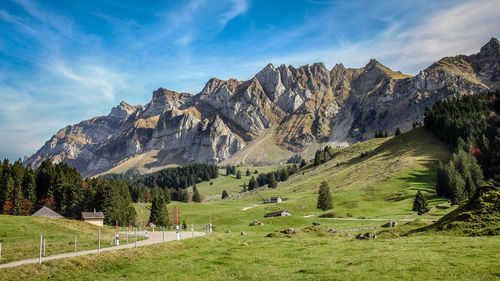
pixel 229 182
pixel 306 256
pixel 20 236
pixel 381 185
pixel 378 187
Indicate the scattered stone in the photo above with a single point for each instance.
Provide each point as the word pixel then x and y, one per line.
pixel 254 223
pixel 316 223
pixel 331 230
pixel 243 233
pixel 367 235
pixel 228 231
pixel 390 224
pixel 289 231
pixel 244 244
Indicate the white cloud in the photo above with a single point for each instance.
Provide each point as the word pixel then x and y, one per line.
pixel 462 29
pixel 92 77
pixel 238 7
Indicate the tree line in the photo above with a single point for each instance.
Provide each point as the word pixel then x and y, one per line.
pixel 24 190
pixel 177 178
pixel 471 124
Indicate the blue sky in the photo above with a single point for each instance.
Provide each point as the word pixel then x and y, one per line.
pixel 65 61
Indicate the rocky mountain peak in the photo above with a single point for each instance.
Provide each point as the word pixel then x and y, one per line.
pixel 491 48
pixel 123 110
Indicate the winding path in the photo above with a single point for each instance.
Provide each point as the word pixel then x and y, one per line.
pixel 153 238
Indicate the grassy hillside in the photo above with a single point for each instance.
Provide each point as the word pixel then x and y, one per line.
pixel 381 185
pixel 378 187
pixel 229 182
pixel 20 236
pixel 306 256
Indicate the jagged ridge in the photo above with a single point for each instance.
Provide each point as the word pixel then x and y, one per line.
pixel 304 105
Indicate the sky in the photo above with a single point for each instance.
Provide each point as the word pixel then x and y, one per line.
pixel 62 62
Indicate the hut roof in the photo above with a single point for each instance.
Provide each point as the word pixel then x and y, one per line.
pixel 46 212
pixel 92 215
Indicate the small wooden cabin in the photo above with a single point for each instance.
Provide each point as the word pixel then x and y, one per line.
pixel 278 214
pixel 95 218
pixel 272 200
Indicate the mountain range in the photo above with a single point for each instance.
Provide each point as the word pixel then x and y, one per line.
pixel 279 112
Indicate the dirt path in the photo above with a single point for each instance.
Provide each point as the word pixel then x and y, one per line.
pixel 253 206
pixel 153 238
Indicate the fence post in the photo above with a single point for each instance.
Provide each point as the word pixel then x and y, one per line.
pixel 44 247
pixel 75 243
pixel 136 237
pixel 0 252
pixel 99 247
pixel 40 257
pixel 163 230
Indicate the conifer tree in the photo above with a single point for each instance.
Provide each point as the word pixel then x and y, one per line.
pixel 398 131
pixel 420 204
pixel 317 158
pixel 252 184
pixel 272 182
pixel 224 194
pixel 159 212
pixel 238 174
pixel 167 195
pixel 325 201
pixel 303 163
pixel 196 196
pixel 248 173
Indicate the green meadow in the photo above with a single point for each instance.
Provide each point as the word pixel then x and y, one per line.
pixel 367 192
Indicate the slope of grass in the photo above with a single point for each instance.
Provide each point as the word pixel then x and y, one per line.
pixel 20 236
pixel 381 185
pixel 480 215
pixel 229 182
pixel 307 256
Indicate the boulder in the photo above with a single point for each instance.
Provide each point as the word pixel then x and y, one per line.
pixel 316 223
pixel 366 236
pixel 243 233
pixel 390 224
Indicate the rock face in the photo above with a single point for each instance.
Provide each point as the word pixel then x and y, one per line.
pixel 303 105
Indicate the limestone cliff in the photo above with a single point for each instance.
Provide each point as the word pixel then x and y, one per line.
pixel 301 106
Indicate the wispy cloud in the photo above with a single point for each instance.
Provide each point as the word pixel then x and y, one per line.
pixel 238 7
pixel 461 29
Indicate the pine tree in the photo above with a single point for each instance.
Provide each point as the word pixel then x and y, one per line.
pixel 398 131
pixel 244 186
pixel 167 195
pixel 18 202
pixel 256 171
pixel 325 201
pixel 317 158
pixel 29 188
pixel 303 163
pixel 224 194
pixel 386 134
pixel 284 175
pixel 159 212
pixel 196 196
pixel 272 182
pixel 252 184
pixel 420 204
pixel 248 173
pixel 238 174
